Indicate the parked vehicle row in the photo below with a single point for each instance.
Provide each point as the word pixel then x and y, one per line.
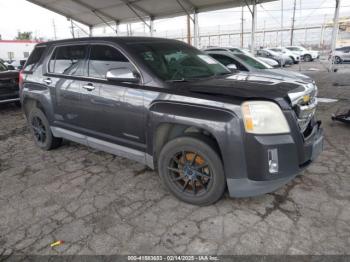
pixel 176 109
pixel 284 56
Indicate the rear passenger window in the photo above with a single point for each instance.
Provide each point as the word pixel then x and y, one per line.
pixel 34 58
pixel 68 60
pixel 104 58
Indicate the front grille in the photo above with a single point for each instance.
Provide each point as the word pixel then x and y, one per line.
pixel 304 105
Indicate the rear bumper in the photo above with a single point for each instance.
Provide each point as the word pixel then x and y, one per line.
pixel 260 180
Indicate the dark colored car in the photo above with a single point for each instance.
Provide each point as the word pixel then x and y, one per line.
pixel 9 91
pixel 174 108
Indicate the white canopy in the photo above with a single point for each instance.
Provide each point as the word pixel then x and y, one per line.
pixel 96 12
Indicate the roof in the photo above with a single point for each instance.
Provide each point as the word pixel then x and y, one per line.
pixel 93 13
pixel 116 39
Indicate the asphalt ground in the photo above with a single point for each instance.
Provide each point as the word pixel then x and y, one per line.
pixel 98 203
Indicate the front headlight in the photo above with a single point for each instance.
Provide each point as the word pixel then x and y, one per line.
pixel 263 117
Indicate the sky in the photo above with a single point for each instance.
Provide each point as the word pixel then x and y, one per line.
pixel 20 15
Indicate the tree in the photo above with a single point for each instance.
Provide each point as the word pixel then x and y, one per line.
pixel 24 36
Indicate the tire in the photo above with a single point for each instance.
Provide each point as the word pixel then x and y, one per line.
pixel 337 60
pixel 18 104
pixel 40 129
pixel 203 182
pixel 307 58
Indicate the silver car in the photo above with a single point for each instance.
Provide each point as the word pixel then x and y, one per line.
pixel 342 54
pixel 243 62
pixel 235 50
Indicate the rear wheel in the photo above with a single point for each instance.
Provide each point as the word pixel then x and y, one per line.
pixel 40 129
pixel 192 170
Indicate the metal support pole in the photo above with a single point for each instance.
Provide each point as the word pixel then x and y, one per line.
pixel 189 30
pixel 72 28
pixel 117 27
pixel 293 24
pixel 335 32
pixel 282 23
pixel 90 31
pixel 252 42
pixel 195 30
pixel 242 27
pixel 151 26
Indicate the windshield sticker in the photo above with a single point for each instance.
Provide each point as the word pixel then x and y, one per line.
pixel 208 59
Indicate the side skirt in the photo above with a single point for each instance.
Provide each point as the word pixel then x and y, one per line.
pixel 108 147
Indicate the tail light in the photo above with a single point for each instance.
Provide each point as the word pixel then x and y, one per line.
pixel 20 79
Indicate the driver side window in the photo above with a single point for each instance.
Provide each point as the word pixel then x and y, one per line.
pixel 104 58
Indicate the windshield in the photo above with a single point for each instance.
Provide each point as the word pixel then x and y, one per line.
pixel 178 62
pixel 253 62
pixel 2 67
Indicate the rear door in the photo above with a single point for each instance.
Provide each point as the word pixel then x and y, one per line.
pixel 65 74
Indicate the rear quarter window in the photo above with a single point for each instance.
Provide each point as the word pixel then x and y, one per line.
pixel 34 58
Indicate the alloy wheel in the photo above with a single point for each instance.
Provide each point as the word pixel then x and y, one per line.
pixel 39 130
pixel 190 173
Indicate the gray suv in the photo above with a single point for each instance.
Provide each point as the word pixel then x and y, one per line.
pixel 172 107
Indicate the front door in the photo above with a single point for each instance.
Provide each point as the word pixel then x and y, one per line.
pixel 113 111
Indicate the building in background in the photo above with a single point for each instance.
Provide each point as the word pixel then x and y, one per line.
pixel 16 49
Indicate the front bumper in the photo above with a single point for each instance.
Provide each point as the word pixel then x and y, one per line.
pixel 292 157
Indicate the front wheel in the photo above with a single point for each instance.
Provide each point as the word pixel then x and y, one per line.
pixel 307 58
pixel 337 60
pixel 40 129
pixel 192 170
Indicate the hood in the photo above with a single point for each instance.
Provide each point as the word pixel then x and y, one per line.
pixel 285 75
pixel 241 86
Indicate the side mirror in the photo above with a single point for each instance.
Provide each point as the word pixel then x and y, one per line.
pixel 232 67
pixel 11 67
pixel 122 74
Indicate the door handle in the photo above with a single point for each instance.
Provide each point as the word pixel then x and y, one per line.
pixel 89 87
pixel 47 81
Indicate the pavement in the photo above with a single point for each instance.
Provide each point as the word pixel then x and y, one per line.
pixel 98 203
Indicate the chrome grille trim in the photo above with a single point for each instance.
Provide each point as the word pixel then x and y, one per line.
pixel 304 110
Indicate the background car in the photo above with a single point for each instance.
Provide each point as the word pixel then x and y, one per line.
pixel 243 62
pixel 294 57
pixel 9 90
pixel 282 59
pixel 235 50
pixel 18 64
pixel 306 55
pixel 341 55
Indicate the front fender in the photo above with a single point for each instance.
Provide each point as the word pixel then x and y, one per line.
pixel 223 124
